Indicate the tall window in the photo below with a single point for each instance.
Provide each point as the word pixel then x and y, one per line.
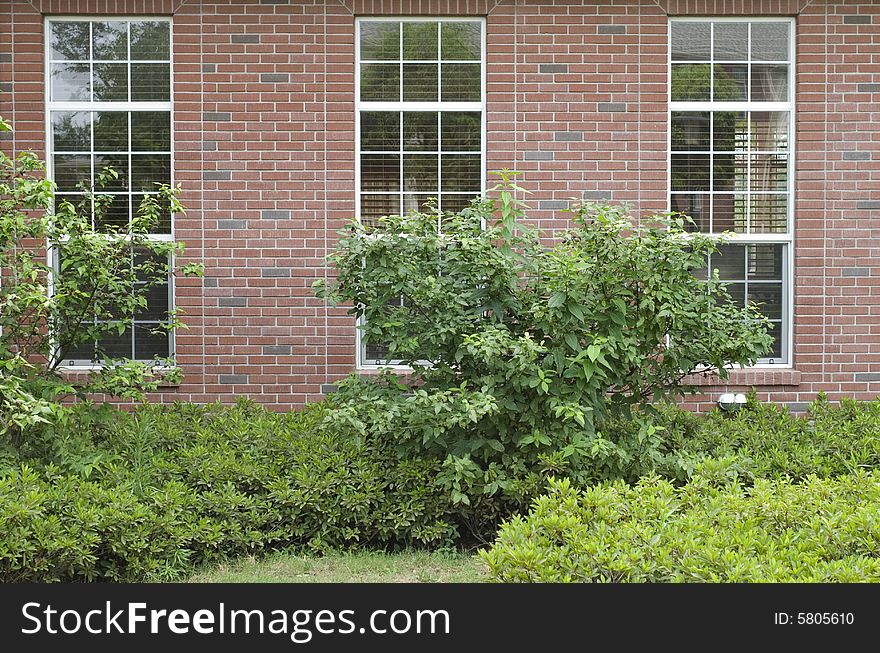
pixel 420 109
pixel 109 105
pixel 731 141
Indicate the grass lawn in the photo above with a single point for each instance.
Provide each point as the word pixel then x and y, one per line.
pixel 361 567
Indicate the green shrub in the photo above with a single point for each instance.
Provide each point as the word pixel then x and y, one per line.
pixel 768 442
pixel 148 495
pixel 518 347
pixel 821 530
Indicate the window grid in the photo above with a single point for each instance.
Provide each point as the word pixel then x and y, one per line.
pixel 139 337
pixel 401 197
pixel 756 194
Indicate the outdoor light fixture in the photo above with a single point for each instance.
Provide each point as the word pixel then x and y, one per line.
pixel 731 402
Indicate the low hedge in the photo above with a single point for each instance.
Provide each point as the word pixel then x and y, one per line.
pixel 146 496
pixel 819 530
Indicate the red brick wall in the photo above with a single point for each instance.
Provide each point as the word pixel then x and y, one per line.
pixel 264 130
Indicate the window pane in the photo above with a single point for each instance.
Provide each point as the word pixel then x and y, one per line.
pixel 460 41
pixel 111 82
pixel 420 131
pixel 150 131
pixel 461 173
pixel 769 172
pixel 690 172
pixel 728 172
pixel 69 41
pixel 455 203
pixel 765 262
pixel 150 41
pixel 380 81
pixel 416 201
pixel 419 82
pixel 70 82
pixel 731 131
pixel 731 41
pixel 737 292
pixel 116 346
pixel 419 41
pixel 71 171
pixel 148 345
pixel 149 169
pixel 461 82
pixel 119 163
pixel 380 172
pixel 150 82
pixel 690 82
pixel 770 41
pixel 115 213
pixel 730 261
pixel 775 331
pixel 71 131
pixel 769 83
pixel 729 213
pixel 462 131
pixel 768 297
pixel 695 206
pixel 380 131
pixel 690 41
pixel 730 82
pixel 111 131
pixel 420 173
pixel 769 213
pixel 380 40
pixel 690 130
pixel 110 41
pixel 82 352
pixel 378 206
pixel 157 303
pixel 770 131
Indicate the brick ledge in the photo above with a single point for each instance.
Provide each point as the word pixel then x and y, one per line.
pixel 748 377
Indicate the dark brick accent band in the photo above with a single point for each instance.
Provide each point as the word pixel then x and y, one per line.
pixel 538 156
pixel 568 136
pixel 612 29
pixel 612 107
pixel 216 116
pixel 856 19
pixel 233 302
pixel 217 175
pixel 234 379
pixel 867 376
pixel 275 215
pixel 245 38
pixel 274 78
pixel 275 272
pixel 553 68
pixel 552 205
pixel 276 350
pixel 854 272
pixel 232 224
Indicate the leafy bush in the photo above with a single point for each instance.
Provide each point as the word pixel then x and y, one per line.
pixel 518 349
pixel 821 530
pixel 113 496
pixel 767 441
pixel 101 279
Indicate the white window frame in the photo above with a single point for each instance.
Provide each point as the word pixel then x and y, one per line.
pixel 50 106
pixel 362 362
pixel 787 238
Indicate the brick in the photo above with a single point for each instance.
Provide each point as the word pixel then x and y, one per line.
pixel 552 205
pixel 568 136
pixel 869 88
pixel 214 116
pixel 856 156
pixel 234 379
pixel 612 29
pixel 596 195
pixel 275 272
pixel 209 68
pixel 797 406
pixel 6 87
pixel 328 388
pixel 857 19
pixel 854 272
pixel 274 78
pixel 276 350
pixel 274 2
pixel 232 224
pixel 553 68
pixel 538 156
pixel 868 205
pixel 209 146
pixel 211 282
pixel 5 57
pixel 233 302
pixel 217 175
pixel 612 107
pixel 867 376
pixel 245 38
pixel 275 215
